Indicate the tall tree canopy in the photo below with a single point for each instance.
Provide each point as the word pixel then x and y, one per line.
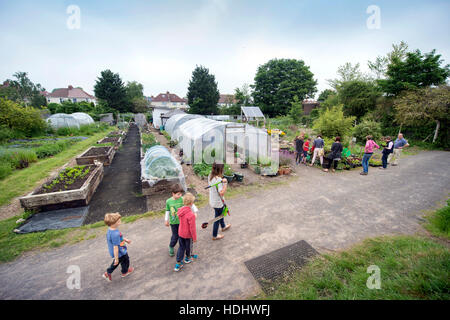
pixel 358 97
pixel 110 89
pixel 417 107
pixel 413 72
pixel 278 81
pixel 203 94
pixel 22 89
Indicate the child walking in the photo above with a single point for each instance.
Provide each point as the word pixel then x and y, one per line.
pixel 171 219
pixel 116 245
pixel 187 232
pixel 306 150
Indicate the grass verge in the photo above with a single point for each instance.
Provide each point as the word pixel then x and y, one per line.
pixel 24 180
pixel 411 267
pixel 438 222
pixel 12 245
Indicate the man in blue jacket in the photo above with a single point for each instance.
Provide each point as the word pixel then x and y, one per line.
pixel 399 144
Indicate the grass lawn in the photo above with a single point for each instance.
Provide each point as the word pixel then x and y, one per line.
pixel 411 267
pixel 24 180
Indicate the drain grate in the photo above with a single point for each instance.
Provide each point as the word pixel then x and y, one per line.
pixel 270 267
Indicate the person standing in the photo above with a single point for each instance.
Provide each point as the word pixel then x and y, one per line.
pixel 387 151
pixel 216 194
pixel 335 156
pixel 368 152
pixel 399 144
pixel 298 148
pixel 318 150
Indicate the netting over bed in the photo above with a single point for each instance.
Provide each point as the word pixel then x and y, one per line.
pixel 62 120
pixel 159 164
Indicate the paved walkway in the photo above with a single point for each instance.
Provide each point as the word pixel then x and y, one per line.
pixel 329 211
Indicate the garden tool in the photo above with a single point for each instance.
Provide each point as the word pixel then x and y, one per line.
pixel 225 210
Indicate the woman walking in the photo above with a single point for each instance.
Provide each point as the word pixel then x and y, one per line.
pixel 216 197
pixel 368 152
pixel 335 156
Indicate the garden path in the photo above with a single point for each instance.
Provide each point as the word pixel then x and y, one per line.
pixel 329 211
pixel 120 189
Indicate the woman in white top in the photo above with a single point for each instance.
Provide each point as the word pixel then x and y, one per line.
pixel 216 197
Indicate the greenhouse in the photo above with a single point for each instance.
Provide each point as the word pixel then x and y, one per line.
pixel 159 165
pixel 83 118
pixel 195 136
pixel 62 120
pixel 177 120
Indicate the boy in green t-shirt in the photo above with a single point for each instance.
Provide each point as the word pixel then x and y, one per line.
pixel 172 205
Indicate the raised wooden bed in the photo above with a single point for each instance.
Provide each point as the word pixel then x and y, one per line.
pixel 162 186
pixel 64 199
pixel 104 155
pixel 117 141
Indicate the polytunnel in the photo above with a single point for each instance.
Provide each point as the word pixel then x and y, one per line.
pixel 158 164
pixel 62 120
pixel 177 120
pixel 82 118
pixel 198 137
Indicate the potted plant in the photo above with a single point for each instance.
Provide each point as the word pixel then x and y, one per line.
pixel 228 173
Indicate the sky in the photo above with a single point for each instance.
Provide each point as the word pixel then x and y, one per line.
pixel 159 43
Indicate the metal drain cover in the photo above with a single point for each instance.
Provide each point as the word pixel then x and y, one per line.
pixel 272 266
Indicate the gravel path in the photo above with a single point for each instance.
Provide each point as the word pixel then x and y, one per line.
pixel 329 211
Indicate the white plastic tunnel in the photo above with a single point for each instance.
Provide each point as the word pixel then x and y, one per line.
pixel 158 164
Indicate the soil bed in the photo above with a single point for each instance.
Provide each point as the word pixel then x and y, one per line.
pixel 65 181
pixel 110 139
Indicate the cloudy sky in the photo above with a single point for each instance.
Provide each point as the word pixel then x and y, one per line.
pixel 159 43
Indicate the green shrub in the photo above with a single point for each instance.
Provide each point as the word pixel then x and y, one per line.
pixel 365 128
pixel 50 149
pixel 332 123
pixel 15 159
pixel 21 119
pixel 202 169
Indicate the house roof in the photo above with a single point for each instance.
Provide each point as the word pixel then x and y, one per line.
pixel 70 92
pixel 227 98
pixel 168 97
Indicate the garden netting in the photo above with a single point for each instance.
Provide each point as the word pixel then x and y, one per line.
pixel 159 164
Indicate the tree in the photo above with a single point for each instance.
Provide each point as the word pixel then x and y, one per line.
pixel 346 73
pixel 243 96
pixel 203 94
pixel 358 97
pixel 139 105
pixel 418 107
pixel 110 89
pixel 365 128
pixel 278 81
pixel 22 89
pixel 379 66
pixel 415 71
pixel 134 90
pixel 332 122
pixel 325 94
pixel 296 110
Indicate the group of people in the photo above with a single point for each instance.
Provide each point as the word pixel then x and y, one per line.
pixel 303 148
pixel 391 151
pixel 180 215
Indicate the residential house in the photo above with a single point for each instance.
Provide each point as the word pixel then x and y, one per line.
pixel 164 103
pixel 70 94
pixel 226 100
pixel 309 105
